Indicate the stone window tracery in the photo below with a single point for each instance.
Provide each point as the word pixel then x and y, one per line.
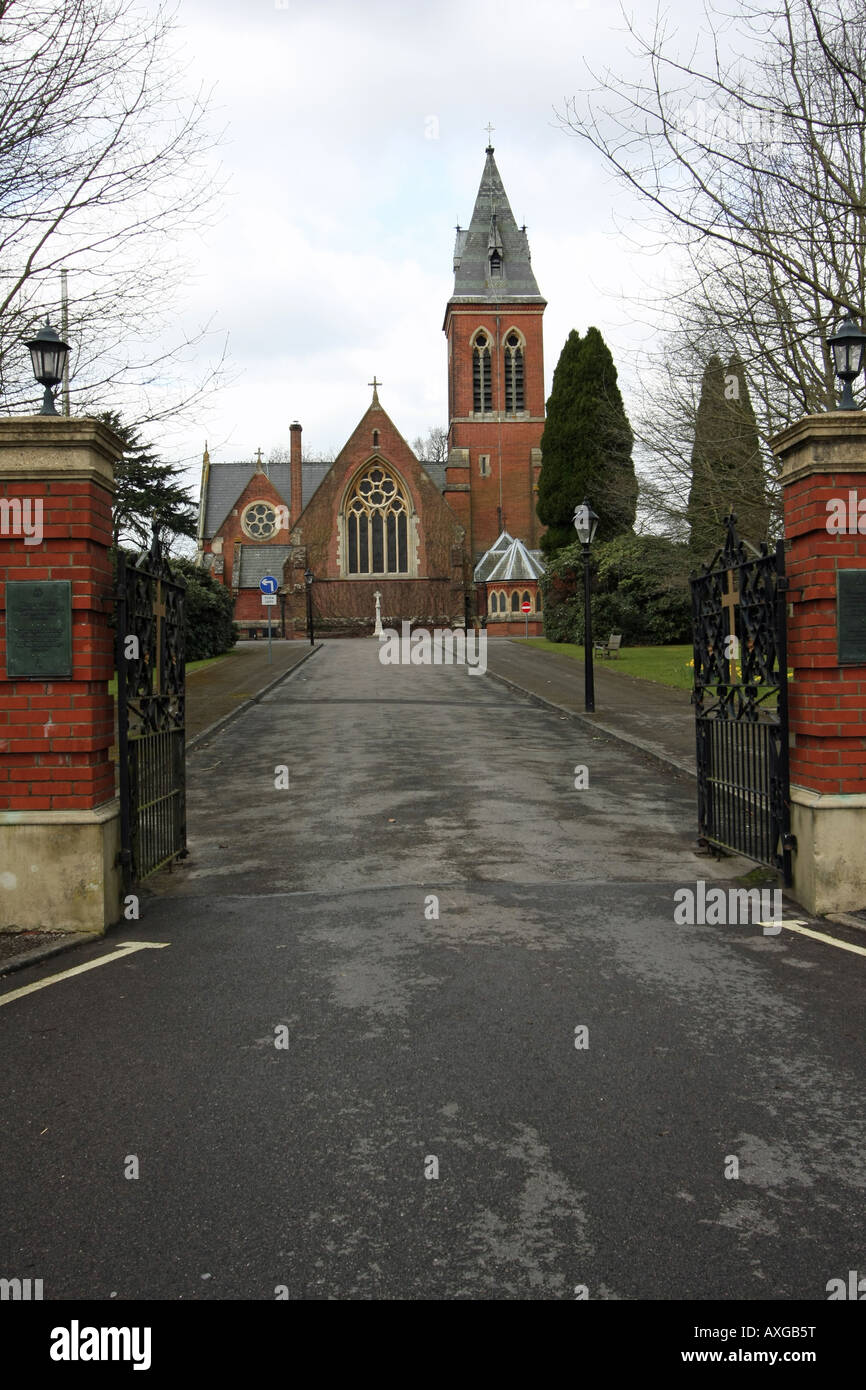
pixel 259 521
pixel 377 524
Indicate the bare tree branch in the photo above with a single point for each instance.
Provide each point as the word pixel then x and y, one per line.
pixel 105 165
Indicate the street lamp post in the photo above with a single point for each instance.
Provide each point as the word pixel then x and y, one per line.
pixel 585 524
pixel 847 345
pixel 48 354
pixel 308 580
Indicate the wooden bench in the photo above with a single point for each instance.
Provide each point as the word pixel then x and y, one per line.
pixel 610 647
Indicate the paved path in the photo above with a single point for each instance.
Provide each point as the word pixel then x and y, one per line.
pixel 215 691
pixel 430 910
pixel 654 717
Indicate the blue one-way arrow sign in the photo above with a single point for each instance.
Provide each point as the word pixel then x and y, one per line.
pixel 268 584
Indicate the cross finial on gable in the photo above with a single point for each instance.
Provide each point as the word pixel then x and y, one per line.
pixel 374 383
pixel 259 468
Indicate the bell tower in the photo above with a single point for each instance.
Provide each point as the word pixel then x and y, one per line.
pixel 495 374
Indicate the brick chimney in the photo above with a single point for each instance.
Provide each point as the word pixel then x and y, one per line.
pixel 297 487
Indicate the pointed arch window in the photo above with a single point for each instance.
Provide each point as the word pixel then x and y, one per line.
pixel 377 525
pixel 482 385
pixel 513 374
pixel 515 602
pixel 494 603
pixel 495 265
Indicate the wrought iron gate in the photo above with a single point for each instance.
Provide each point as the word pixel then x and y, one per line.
pixel 739 611
pixel 151 713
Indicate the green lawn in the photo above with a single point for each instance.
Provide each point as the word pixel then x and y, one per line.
pixel 190 667
pixel 666 665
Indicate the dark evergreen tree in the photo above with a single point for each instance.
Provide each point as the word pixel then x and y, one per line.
pixel 147 490
pixel 586 446
pixel 749 491
pixel 727 472
pixel 208 626
pixel 708 503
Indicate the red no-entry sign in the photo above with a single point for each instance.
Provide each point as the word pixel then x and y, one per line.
pixel 526 606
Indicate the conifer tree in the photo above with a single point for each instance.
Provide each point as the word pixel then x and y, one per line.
pixel 727 473
pixel 586 446
pixel 749 488
pixel 708 500
pixel 147 490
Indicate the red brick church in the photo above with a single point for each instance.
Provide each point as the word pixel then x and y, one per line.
pixel 427 537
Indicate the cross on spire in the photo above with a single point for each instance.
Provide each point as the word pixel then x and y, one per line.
pixel 490 129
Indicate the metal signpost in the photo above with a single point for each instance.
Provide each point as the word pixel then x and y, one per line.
pixel 269 585
pixel 527 609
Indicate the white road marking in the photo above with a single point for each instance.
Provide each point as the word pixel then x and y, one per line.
pixel 818 935
pixel 125 950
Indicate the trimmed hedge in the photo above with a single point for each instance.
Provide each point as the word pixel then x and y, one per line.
pixel 210 629
pixel 639 588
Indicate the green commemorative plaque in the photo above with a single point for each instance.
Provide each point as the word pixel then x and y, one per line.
pixel 39 630
pixel 851 616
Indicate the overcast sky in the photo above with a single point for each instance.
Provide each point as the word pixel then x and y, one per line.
pixel 355 137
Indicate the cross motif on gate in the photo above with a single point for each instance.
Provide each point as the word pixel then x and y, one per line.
pixel 730 602
pixel 159 615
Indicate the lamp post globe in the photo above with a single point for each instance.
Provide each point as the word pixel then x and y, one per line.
pixel 585 523
pixel 848 347
pixel 48 354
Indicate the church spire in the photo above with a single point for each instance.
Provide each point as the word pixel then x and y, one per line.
pixel 491 256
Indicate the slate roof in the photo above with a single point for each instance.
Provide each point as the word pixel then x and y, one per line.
pixel 436 472
pixel 228 480
pixel 493 228
pixel 259 560
pixel 508 559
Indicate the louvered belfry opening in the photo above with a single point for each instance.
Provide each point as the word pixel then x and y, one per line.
pixel 513 374
pixel 482 387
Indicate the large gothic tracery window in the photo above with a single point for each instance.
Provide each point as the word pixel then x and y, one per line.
pixel 377 525
pixel 513 374
pixel 482 385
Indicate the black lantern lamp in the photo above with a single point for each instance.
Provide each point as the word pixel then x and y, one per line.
pixel 586 525
pixel 48 353
pixel 308 580
pixel 848 345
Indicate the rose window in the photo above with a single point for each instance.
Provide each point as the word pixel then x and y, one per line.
pixel 260 521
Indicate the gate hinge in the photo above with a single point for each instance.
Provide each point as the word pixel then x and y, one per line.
pixel 789 841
